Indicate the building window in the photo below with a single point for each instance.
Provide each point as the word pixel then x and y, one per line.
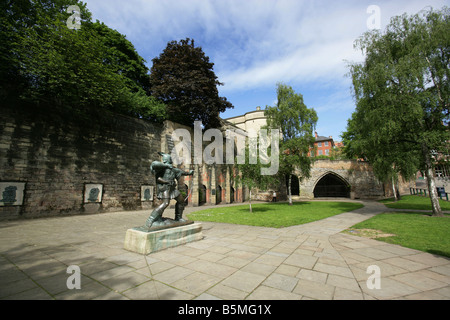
pixel 327 152
pixel 320 152
pixel 326 143
pixel 319 144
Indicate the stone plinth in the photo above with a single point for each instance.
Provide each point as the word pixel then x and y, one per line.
pixel 147 242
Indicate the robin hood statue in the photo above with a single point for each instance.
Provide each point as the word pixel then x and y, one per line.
pixel 166 190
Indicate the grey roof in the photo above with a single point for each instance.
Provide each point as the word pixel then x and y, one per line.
pixel 322 138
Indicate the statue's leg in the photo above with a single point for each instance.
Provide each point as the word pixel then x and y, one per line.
pixel 179 208
pixel 157 213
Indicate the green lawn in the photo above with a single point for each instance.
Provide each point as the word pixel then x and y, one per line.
pixel 414 202
pixel 413 230
pixel 275 215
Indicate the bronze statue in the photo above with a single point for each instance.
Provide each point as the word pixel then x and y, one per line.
pixel 166 190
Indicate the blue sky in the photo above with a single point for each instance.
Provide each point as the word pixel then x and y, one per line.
pixel 256 43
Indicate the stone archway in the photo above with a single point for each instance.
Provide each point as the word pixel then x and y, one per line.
pixel 218 194
pixel 332 185
pixel 202 194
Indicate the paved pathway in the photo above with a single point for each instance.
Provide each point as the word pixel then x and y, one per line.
pixel 312 261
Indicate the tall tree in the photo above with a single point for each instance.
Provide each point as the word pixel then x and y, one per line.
pixel 48 65
pixel 402 96
pixel 297 123
pixel 183 78
pixel 121 56
pixel 249 174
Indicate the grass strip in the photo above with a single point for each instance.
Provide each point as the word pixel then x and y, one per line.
pixel 275 215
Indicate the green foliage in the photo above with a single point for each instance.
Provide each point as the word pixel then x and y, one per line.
pixel 144 106
pixel 337 153
pixel 323 157
pixel 402 95
pixel 183 78
pixel 93 69
pixel 122 58
pixel 297 123
pixel 249 175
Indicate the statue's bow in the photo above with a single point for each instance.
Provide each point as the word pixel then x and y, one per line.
pixel 189 193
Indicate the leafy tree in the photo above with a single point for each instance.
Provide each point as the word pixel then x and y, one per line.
pixel 46 64
pixel 337 153
pixel 183 78
pixel 121 56
pixel 297 123
pixel 386 163
pixel 250 175
pixel 402 97
pixel 19 21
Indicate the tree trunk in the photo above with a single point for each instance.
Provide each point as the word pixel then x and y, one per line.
pixel 437 212
pixel 393 190
pixel 250 200
pixel 289 190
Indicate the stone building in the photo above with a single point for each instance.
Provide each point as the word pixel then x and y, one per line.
pixel 211 183
pixel 329 178
pixel 322 146
pixel 252 120
pixel 54 165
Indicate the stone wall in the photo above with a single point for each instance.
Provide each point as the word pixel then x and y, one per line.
pixel 211 183
pixel 357 175
pixel 55 164
pixel 57 158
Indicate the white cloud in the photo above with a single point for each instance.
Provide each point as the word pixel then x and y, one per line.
pixel 254 43
pixel 308 42
pixel 319 62
pixel 306 49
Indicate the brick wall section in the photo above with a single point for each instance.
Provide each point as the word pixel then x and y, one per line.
pixel 56 158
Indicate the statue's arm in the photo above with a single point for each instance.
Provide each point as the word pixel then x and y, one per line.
pixel 180 172
pixel 190 173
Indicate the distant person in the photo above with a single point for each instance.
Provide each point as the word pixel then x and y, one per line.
pixel 274 197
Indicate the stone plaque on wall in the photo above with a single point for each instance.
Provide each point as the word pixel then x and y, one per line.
pixel 11 193
pixel 93 192
pixel 146 193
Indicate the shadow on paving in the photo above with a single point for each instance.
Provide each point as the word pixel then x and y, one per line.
pixel 32 273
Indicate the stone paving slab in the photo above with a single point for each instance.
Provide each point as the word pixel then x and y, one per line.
pixel 232 262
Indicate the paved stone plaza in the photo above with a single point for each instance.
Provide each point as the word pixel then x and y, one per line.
pixel 311 261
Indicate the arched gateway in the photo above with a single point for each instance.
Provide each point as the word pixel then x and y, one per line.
pixel 341 178
pixel 332 185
